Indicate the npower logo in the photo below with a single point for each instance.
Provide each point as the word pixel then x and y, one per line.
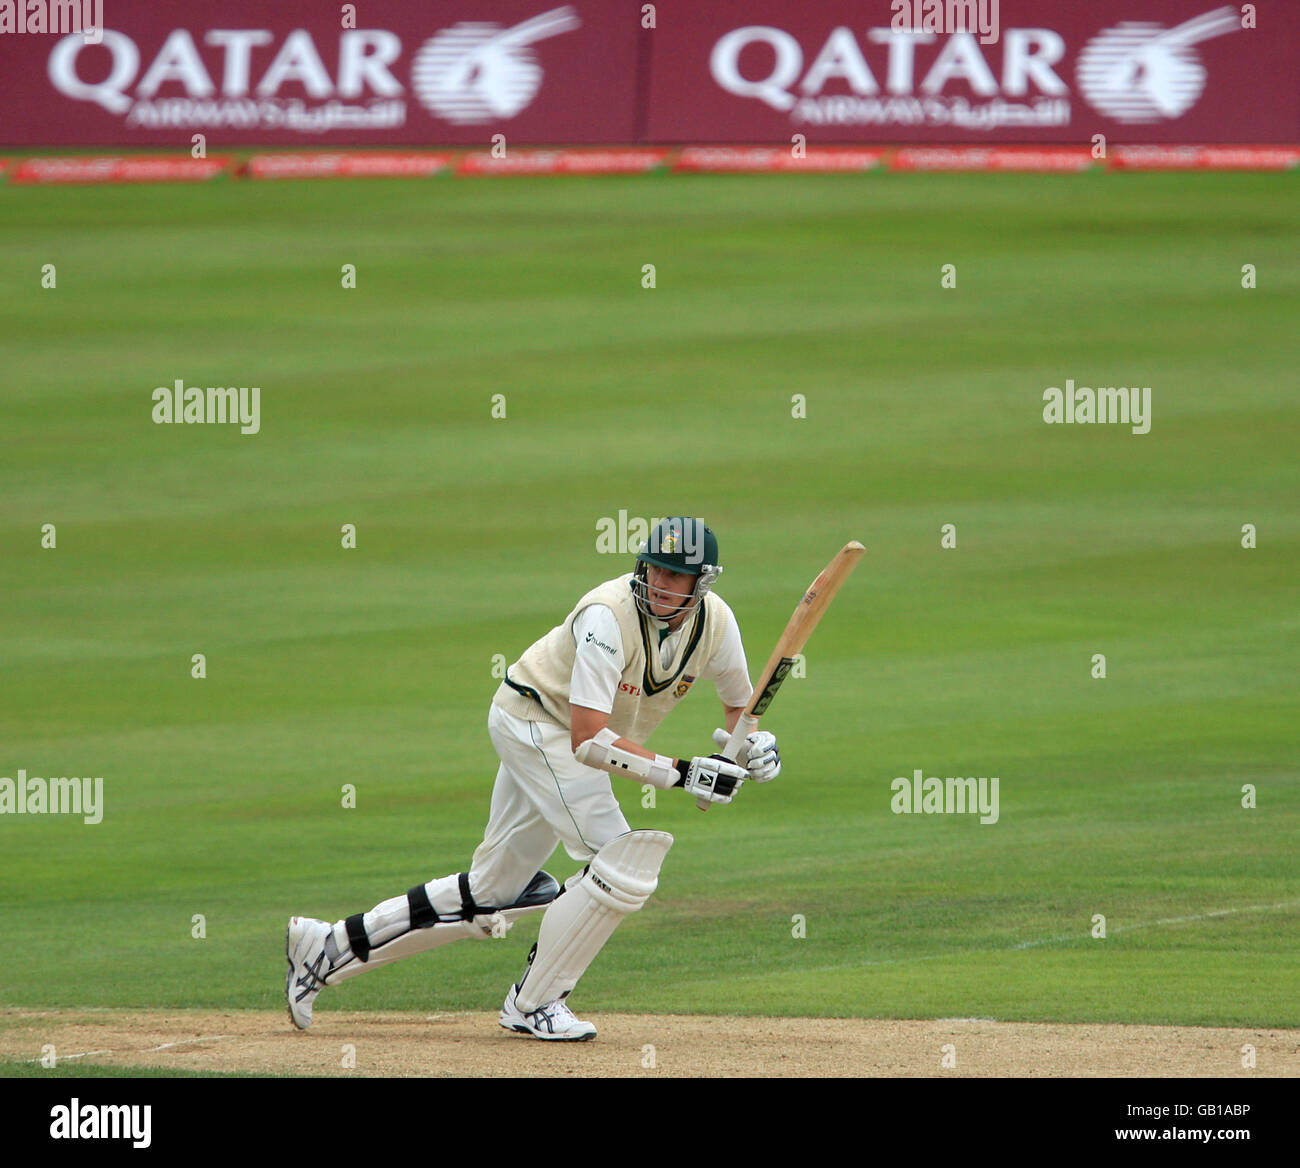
pixel 468 74
pixel 1135 72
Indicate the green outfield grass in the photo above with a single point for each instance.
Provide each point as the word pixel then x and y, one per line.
pixel 374 666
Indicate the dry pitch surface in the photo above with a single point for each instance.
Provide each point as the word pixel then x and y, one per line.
pixel 630 1045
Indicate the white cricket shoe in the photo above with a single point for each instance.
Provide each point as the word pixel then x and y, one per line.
pixel 553 1021
pixel 304 946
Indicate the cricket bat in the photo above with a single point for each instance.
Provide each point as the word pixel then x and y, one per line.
pixel 798 629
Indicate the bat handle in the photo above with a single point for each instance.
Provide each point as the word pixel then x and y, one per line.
pixel 746 724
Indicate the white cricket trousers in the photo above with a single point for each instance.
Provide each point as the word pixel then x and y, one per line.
pixel 543 796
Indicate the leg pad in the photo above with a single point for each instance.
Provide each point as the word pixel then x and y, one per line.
pixel 406 914
pixel 618 881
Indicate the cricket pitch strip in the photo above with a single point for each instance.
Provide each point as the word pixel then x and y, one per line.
pixel 471 1045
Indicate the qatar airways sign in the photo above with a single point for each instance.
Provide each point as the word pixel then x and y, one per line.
pixel 301 71
pixel 469 73
pixel 1022 92
pixel 554 72
pixel 361 91
pixel 1040 70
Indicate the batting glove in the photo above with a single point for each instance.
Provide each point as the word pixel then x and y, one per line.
pixel 713 778
pixel 759 754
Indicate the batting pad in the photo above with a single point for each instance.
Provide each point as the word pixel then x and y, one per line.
pixel 393 935
pixel 618 881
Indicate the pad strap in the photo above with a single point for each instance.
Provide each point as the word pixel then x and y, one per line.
pixel 421 908
pixel 468 909
pixel 356 927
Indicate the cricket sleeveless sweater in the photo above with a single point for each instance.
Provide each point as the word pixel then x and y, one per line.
pixel 537 685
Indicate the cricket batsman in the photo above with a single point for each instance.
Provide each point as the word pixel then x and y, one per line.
pixel 574 709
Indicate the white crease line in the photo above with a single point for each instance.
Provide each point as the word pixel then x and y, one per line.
pixel 1220 912
pixel 187 1041
pixel 59 1058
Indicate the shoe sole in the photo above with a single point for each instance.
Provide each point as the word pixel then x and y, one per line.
pixel 545 1037
pixel 288 983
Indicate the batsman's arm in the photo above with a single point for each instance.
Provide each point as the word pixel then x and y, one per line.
pixel 596 745
pixel 709 778
pixel 730 715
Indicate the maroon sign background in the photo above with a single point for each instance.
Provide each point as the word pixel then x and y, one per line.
pixel 457 72
pixel 288 73
pixel 1059 71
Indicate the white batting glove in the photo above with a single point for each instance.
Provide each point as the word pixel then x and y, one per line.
pixel 712 778
pixel 758 755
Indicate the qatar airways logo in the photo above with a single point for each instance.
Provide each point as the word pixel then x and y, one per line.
pixel 469 73
pixel 906 74
pixel 1138 73
pixel 1026 90
pixel 473 73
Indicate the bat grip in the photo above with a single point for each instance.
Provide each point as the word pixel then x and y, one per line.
pixel 746 724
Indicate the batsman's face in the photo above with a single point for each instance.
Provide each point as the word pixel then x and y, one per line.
pixel 668 590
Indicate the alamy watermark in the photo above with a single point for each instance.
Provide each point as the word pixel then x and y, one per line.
pixel 32 795
pixel 949 796
pixel 626 535
pixel 102 1121
pixel 61 17
pixel 242 404
pixel 1125 405
pixel 947 16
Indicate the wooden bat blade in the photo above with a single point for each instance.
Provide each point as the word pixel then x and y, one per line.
pixel 799 628
pixel 808 612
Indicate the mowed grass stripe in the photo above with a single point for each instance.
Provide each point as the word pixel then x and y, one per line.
pixel 375 666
